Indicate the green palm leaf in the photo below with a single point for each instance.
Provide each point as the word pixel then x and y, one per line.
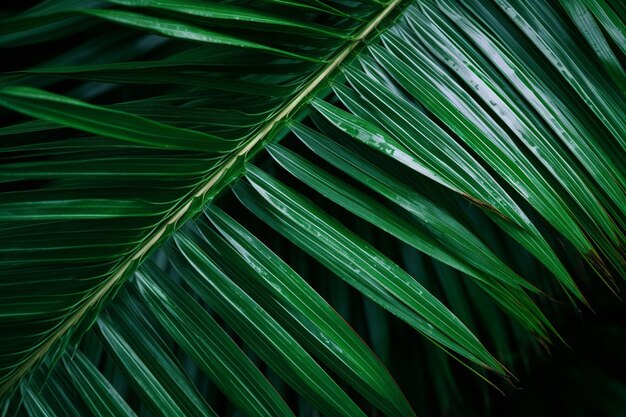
pixel 454 143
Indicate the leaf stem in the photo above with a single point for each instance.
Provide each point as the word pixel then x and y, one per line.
pixel 123 269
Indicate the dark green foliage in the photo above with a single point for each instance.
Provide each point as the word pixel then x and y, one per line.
pixel 449 182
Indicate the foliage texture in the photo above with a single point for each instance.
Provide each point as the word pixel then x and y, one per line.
pixel 199 198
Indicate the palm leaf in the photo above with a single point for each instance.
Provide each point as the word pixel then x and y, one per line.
pixel 440 128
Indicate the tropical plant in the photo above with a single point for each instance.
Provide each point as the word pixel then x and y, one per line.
pixel 198 197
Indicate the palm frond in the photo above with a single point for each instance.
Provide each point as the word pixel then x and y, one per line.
pixel 450 163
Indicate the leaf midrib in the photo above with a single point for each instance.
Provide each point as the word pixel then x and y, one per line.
pixel 228 167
